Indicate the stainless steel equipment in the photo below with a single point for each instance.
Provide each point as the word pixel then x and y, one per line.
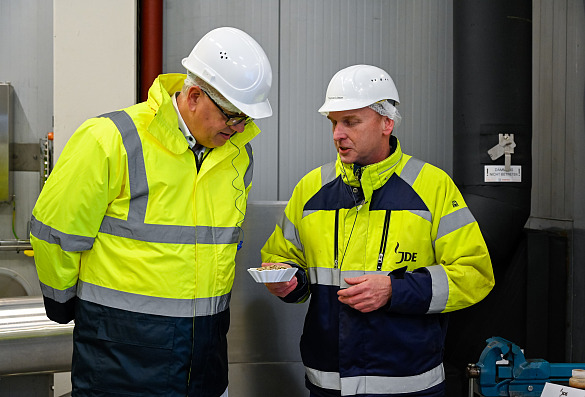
pixel 30 342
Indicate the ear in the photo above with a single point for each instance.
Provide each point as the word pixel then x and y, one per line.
pixel 388 126
pixel 194 95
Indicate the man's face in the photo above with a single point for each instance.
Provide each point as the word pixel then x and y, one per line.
pixel 206 122
pixel 361 135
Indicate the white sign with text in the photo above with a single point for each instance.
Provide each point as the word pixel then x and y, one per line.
pixel 498 173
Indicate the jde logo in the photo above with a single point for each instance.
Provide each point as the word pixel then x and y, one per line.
pixel 405 256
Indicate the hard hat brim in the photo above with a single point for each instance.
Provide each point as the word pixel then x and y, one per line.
pixel 339 105
pixel 256 111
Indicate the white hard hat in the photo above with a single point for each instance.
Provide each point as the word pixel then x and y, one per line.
pixel 235 65
pixel 358 86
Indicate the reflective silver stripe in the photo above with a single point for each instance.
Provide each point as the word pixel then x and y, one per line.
pixel 150 304
pixel 334 277
pixel 217 235
pixel 350 386
pixel 150 233
pixel 440 284
pixel 169 233
pixel 327 173
pixel 67 242
pixel 136 168
pixel 411 170
pixel 58 295
pixel 325 380
pixel 250 170
pixel 423 214
pixel 453 221
pixel 290 232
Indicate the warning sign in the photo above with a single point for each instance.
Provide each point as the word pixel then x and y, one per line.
pixel 498 173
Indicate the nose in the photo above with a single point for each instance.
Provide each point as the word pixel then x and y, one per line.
pixel 338 132
pixel 238 127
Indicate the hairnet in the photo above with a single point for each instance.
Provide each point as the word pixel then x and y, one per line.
pixel 226 105
pixel 385 108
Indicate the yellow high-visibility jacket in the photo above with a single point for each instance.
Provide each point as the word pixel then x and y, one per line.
pixel 128 227
pixel 400 217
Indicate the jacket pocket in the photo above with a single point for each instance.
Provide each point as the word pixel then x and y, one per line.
pixel 133 357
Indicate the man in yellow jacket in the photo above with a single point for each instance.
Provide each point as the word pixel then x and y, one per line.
pixel 385 246
pixel 136 230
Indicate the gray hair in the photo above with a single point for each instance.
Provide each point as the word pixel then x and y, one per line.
pixel 194 80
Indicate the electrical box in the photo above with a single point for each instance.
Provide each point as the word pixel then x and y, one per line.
pixel 5 137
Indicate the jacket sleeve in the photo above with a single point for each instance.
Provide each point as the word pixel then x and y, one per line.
pixel 284 246
pixel 68 214
pixel 462 274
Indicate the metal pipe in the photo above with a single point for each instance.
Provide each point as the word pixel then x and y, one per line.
pixel 15 245
pixel 30 342
pixel 493 94
pixel 151 36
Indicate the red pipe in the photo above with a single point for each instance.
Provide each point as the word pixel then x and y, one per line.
pixel 151 32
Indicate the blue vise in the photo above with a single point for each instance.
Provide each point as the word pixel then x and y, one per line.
pixel 502 370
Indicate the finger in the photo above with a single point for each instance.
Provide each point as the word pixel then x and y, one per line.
pixel 355 280
pixel 283 288
pixel 352 291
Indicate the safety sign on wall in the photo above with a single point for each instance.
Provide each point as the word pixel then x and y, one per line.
pixel 498 173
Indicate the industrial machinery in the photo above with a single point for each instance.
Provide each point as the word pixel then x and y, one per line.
pixel 502 370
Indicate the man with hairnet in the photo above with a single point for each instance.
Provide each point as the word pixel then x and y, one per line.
pixel 136 230
pixel 384 245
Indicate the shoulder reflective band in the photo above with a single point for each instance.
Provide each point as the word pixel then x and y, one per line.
pixel 327 173
pixel 136 168
pixel 290 232
pixel 411 170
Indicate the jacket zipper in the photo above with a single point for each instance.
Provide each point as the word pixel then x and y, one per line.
pixel 384 240
pixel 336 240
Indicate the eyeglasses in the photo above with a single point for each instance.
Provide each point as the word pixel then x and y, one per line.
pixel 231 119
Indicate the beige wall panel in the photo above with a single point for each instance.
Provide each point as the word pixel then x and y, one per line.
pixel 94 61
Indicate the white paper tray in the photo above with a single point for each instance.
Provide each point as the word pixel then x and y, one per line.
pixel 272 276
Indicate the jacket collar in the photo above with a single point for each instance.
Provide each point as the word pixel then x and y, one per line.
pixel 375 175
pixel 165 125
